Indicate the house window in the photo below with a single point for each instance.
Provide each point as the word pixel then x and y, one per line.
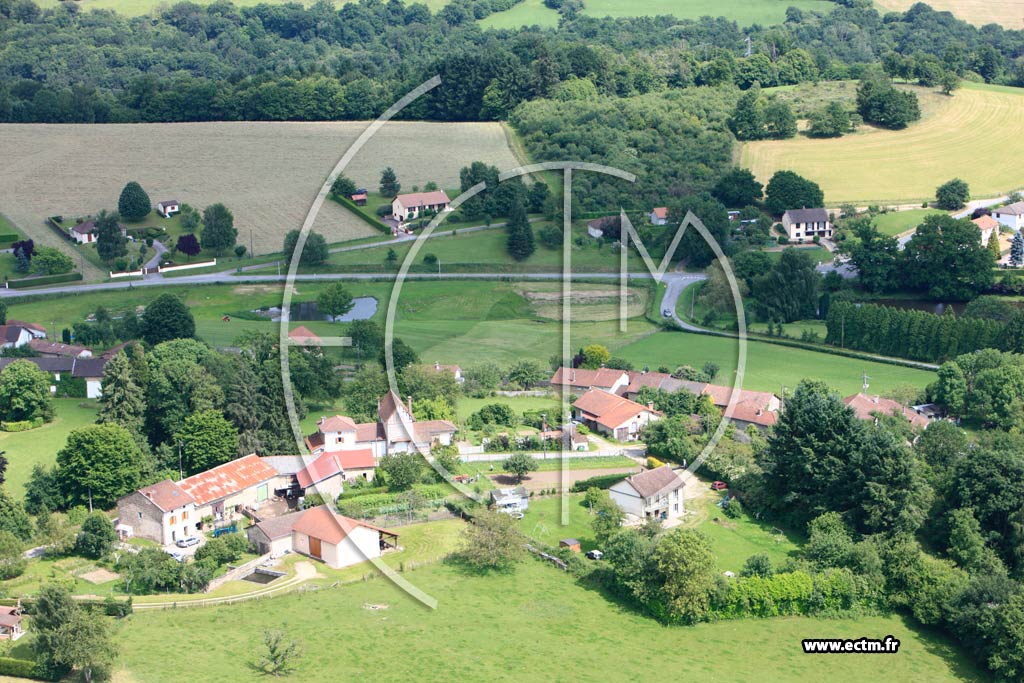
pixel 184 515
pixel 174 520
pixel 140 516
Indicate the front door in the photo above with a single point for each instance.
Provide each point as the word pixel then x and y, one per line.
pixel 314 547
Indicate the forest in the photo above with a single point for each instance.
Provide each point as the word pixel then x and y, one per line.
pixel 286 62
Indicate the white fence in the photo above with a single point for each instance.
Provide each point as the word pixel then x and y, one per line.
pixel 126 273
pixel 187 266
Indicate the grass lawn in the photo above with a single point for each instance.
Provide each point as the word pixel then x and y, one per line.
pixel 520 404
pixel 895 222
pixel 488 247
pixel 25 449
pixel 553 464
pixel 734 540
pixel 514 626
pixel 880 166
pixel 744 12
pixel 769 366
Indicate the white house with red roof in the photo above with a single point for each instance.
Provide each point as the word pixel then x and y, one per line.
pixel 987 226
pixel 395 431
pixel 162 512
pixel 871 407
pixel 656 493
pixel 323 534
pixel 407 206
pixel 659 215
pixel 614 415
pixel 303 336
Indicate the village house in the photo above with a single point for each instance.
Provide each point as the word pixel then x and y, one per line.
pixel 322 534
pixel 577 441
pixel 10 622
pixel 90 370
pixel 407 206
pixel 455 371
pixel 659 215
pixel 58 350
pixel 168 207
pixel 162 512
pixel 15 333
pixel 85 232
pixel 328 472
pixel 806 224
pixel 359 198
pixel 656 493
pixel 658 380
pixel 395 431
pixel 510 499
pixel 303 336
pixel 579 380
pixel 760 408
pixel 224 490
pixel 870 407
pixel 614 415
pixel 1011 215
pixel 988 227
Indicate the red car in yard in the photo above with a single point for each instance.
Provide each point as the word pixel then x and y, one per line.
pixel 719 486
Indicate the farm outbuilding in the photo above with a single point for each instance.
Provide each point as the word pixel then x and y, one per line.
pixel 570 543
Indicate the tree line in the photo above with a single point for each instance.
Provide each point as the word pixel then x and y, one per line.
pixel 286 62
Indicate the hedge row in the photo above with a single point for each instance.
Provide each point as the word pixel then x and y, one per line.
pixel 358 211
pixel 10 237
pixel 43 280
pixel 601 481
pixel 21 425
pixel 20 668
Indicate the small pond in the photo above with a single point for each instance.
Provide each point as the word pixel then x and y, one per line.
pixel 363 308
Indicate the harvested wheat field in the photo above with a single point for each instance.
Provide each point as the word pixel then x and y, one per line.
pixel 976 135
pixel 267 173
pixel 1007 13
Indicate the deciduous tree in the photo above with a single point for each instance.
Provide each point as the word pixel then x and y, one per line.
pixel 219 233
pixel 98 465
pixel 25 392
pixel 207 439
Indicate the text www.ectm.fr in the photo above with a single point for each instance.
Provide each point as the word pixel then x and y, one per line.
pixel 888 645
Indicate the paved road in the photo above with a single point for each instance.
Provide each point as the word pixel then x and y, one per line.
pixel 676 284
pixel 155 261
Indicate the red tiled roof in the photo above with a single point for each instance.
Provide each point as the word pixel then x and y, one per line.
pixel 304 335
pixel 415 200
pixel 48 348
pixel 330 527
pixel 660 212
pixel 167 495
pixel 8 617
pixel 426 431
pixel 337 423
pixel 334 463
pixel 389 405
pixel 986 222
pixel 752 412
pixel 358 195
pixel 720 396
pixel 608 409
pixel 226 479
pixel 368 431
pixel 84 228
pixel 866 407
pixel 582 378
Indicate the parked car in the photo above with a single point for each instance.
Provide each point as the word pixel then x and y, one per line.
pixel 178 557
pixel 594 554
pixel 719 486
pixel 514 514
pixel 187 542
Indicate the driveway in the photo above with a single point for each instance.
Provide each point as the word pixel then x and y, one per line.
pixel 552 478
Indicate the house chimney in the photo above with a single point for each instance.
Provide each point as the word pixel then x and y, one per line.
pixel 409 399
pixel 650 405
pixel 572 375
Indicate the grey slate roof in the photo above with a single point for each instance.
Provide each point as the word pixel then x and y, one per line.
pixel 807 215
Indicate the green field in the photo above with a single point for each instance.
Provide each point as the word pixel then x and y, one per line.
pixel 769 366
pixel 533 624
pixel 895 222
pixel 882 166
pixel 25 449
pixel 488 248
pixel 520 404
pixel 743 12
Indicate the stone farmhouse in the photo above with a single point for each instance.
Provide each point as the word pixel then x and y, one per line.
pixel 656 493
